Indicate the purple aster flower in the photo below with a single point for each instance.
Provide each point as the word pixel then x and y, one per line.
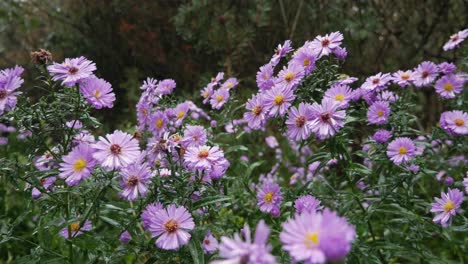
pixel 278 100
pixel 269 198
pixel 455 40
pixel 403 78
pixel 446 68
pixel 448 180
pixel 125 237
pixel 143 114
pixel 230 83
pixel 219 77
pixel 180 113
pixel 377 82
pixel 307 203
pixel 76 230
pixel 238 250
pixel 413 168
pixel 388 96
pixel 264 77
pixel 46 161
pixel 449 86
pixel 271 142
pixel 75 124
pixel 258 111
pixel 77 165
pixel 290 77
pixel 207 92
pixel 401 150
pixel 210 244
pixel 382 136
pixel 149 213
pixel 327 118
pixel 454 122
pixel 135 178
pixel 323 46
pixel 340 53
pixel 305 57
pixel 165 86
pixel 203 157
pixel 341 94
pixel 298 119
pixel 344 79
pixel 97 92
pixel 378 113
pixel 219 98
pixel 72 71
pixel 281 52
pixel 158 123
pixel 447 206
pixel 194 136
pixel 116 150
pixel 316 237
pixel 149 84
pixel 47 183
pixel 170 225
pixel 425 74
pixel 10 81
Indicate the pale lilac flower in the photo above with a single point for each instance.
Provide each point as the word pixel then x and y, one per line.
pixel 455 40
pixel 281 52
pixel 77 165
pixel 149 213
pixel 46 161
pixel 238 250
pixel 219 98
pixel 323 46
pixel 158 123
pixel 97 92
pixel 269 198
pixel 387 96
pixel 76 230
pixel 403 78
pixel 207 92
pixel 378 113
pixel 454 122
pixel 271 142
pixel 327 118
pixel 401 150
pixel 72 71
pixel 307 203
pixel 171 225
pixel 203 157
pixel 230 83
pixel 264 77
pixel 10 81
pixel 297 122
pixel 316 237
pixel 382 136
pixel 278 100
pixel 377 82
pixel 446 68
pixel 449 86
pixel 341 94
pixel 290 77
pixel 149 84
pixel 143 114
pixel 180 112
pixel 47 183
pixel 306 58
pixel 194 136
pixel 447 206
pixel 340 53
pixel 116 150
pixel 125 237
pixel 257 114
pixel 219 77
pixel 165 86
pixel 425 74
pixel 75 124
pixel 135 178
pixel 210 244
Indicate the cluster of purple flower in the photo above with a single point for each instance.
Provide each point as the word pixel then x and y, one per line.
pixel 10 81
pixel 220 96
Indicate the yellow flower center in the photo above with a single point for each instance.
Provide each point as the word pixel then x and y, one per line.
pixel 219 98
pixel 339 97
pixel 402 151
pixel 405 76
pixel 306 62
pixel 206 94
pixel 257 110
pixel 229 85
pixel 159 123
pixel 79 165
pixel 449 206
pixel 311 240
pixel 203 154
pixel 180 114
pixel 289 76
pixel 380 113
pixel 448 87
pixel 459 122
pixel 97 93
pixel 171 226
pixel 279 100
pixel 75 227
pixel 144 112
pixel 268 197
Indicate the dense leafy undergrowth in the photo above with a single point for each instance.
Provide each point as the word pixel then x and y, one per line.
pixel 313 168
